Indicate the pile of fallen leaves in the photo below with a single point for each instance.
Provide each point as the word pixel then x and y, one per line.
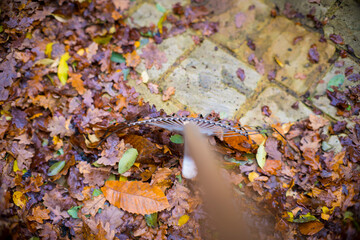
pixel 63 72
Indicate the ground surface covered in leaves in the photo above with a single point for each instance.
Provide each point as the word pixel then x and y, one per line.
pixel 63 75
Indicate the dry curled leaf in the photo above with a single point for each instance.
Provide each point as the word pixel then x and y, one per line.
pixel 135 197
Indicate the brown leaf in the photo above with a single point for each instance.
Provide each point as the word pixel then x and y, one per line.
pixel 113 151
pixel 317 122
pixel 92 206
pixel 93 175
pixel 310 228
pixel 23 155
pixel 271 166
pixel 135 197
pixel 132 59
pixel 39 214
pixel 76 82
pixel 145 147
pixel 153 88
pixel 60 126
pixel 271 148
pixel 153 56
pixel 167 93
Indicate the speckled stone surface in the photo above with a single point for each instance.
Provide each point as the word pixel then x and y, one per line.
pixel 206 80
pixel 279 103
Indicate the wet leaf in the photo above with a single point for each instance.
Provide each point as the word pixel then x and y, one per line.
pixel 135 197
pixel 151 220
pixel 56 168
pixel 127 160
pixel 73 212
pixel 178 139
pixel 63 68
pixel 311 228
pixel 261 155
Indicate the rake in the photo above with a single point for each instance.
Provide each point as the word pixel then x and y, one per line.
pixel 205 126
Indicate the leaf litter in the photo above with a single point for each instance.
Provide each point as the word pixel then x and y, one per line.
pixel 72 91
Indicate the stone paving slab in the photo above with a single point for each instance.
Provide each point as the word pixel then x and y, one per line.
pixel 276 40
pixel 206 80
pixel 346 22
pixel 304 7
pixel 173 48
pixel 280 104
pixel 145 15
pixel 319 96
pixel 233 35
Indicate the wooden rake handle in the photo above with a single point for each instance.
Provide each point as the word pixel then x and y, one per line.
pixel 216 192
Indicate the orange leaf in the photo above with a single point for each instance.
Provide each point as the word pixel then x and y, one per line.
pixel 135 197
pixel 241 143
pixel 271 166
pixel 167 93
pixel 310 228
pixel 132 59
pixel 77 83
pixel 39 214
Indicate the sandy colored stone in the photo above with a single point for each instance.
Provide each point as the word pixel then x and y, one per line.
pixel 167 4
pixel 345 21
pixel 206 80
pixel 234 36
pixel 276 40
pixel 145 15
pixel 173 48
pixel 279 103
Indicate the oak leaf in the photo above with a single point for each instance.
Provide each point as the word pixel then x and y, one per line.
pixel 93 175
pixel 317 122
pixel 77 82
pixel 135 197
pixel 153 56
pixel 132 59
pixel 167 93
pixel 39 214
pixel 92 206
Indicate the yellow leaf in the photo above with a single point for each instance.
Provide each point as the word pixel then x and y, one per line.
pixel 135 196
pixel 183 219
pixel 160 23
pixel 19 199
pixel 123 179
pixel 48 49
pixel 16 167
pixel 261 155
pixel 252 176
pixel 63 68
pixel 132 59
pixel 325 216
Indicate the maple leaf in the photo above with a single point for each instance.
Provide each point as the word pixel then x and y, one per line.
pixel 153 56
pixel 113 151
pixel 92 206
pixel 77 83
pixel 93 175
pixel 60 126
pixel 132 59
pixel 39 214
pixel 167 93
pixel 135 197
